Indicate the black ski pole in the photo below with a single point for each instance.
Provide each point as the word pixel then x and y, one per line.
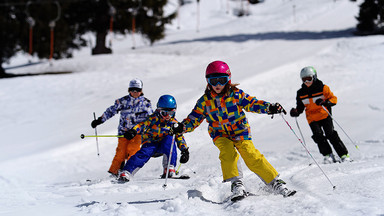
pixel 356 146
pixel 333 186
pixel 97 141
pixel 302 137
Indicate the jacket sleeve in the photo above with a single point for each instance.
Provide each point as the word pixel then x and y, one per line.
pixel 299 104
pixel 195 118
pixel 112 110
pixel 251 104
pixel 181 144
pixel 328 95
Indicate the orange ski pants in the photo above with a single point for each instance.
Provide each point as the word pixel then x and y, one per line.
pixel 125 149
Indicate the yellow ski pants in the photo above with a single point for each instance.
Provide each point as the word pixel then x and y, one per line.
pixel 252 157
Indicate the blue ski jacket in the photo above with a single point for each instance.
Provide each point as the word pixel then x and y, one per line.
pixel 132 111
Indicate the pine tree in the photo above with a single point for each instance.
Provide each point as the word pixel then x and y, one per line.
pixel 371 17
pixel 64 34
pixel 10 30
pixel 149 17
pixel 72 20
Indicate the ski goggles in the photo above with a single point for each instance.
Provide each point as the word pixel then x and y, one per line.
pixel 167 112
pixel 214 81
pixel 134 89
pixel 307 79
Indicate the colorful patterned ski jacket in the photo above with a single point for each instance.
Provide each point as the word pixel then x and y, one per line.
pixel 225 115
pixel 132 111
pixel 307 96
pixel 154 129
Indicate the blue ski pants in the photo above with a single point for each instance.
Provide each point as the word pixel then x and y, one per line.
pixel 150 149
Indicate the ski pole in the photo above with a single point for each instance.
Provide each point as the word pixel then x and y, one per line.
pixel 190 169
pixel 302 137
pixel 333 186
pixel 169 162
pixel 82 136
pixel 177 171
pixel 356 146
pixel 97 141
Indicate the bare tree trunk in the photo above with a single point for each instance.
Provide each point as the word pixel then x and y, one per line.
pixel 100 47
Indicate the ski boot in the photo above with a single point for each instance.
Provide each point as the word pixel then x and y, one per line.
pixel 124 176
pixel 238 191
pixel 345 158
pixel 278 187
pixel 329 159
pixel 113 175
pixel 171 172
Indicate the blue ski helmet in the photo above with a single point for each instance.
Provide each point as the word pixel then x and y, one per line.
pixel 166 101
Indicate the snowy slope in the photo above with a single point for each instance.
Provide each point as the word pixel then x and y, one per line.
pixel 44 164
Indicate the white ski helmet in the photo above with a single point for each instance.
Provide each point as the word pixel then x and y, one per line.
pixel 136 83
pixel 308 72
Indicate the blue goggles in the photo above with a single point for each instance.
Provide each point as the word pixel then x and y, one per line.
pixel 221 80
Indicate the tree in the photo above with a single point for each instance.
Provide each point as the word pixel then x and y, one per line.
pixel 371 17
pixel 149 17
pixel 72 19
pixel 142 16
pixel 11 28
pixel 64 34
pixel 16 34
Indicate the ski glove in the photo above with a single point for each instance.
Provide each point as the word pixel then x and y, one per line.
pixel 321 102
pixel 275 108
pixel 130 134
pixel 294 112
pixel 96 122
pixel 184 156
pixel 177 128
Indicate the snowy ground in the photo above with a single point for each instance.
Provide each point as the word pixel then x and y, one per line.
pixel 44 164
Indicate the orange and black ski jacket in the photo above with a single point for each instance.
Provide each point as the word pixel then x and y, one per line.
pixel 306 97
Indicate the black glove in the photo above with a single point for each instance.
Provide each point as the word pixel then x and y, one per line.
pixel 130 134
pixel 275 108
pixel 96 122
pixel 321 102
pixel 184 156
pixel 177 128
pixel 294 112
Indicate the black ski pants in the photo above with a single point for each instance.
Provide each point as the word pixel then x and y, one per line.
pixel 326 125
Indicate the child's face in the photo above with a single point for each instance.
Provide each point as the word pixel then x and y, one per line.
pixel 308 80
pixel 167 118
pixel 308 83
pixel 166 114
pixel 218 89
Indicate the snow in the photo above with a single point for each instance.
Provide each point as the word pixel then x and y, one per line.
pixel 44 164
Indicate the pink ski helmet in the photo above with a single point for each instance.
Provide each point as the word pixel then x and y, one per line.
pixel 217 68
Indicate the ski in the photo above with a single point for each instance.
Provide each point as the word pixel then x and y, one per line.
pixel 228 200
pixel 184 176
pixel 290 193
pixel 87 204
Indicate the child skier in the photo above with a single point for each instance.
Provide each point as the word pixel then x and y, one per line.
pixel 157 131
pixel 314 96
pixel 134 108
pixel 222 106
